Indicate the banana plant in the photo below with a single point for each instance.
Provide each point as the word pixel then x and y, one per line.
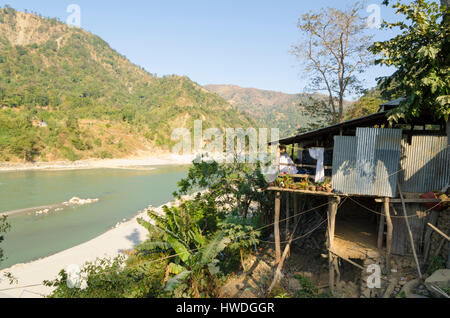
pixel 194 253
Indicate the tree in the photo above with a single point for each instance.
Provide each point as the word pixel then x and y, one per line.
pixel 420 54
pixel 190 247
pixel 366 105
pixel 320 113
pixel 333 49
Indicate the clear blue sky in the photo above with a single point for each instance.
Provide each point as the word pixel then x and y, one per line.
pixel 243 42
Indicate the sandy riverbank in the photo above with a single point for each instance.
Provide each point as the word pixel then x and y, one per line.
pixel 127 163
pixel 124 236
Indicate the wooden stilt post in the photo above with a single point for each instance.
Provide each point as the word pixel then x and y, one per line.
pixel 296 211
pixel 286 253
pixel 381 231
pixel 277 227
pixel 288 214
pixel 389 234
pixel 332 262
pixel 411 238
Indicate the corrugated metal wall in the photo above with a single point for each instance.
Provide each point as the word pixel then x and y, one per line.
pixel 371 162
pixel 401 243
pixel 368 163
pixel 344 162
pixel 425 164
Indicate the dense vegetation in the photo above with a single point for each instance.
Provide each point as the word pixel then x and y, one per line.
pixel 4 227
pixel 191 247
pixel 95 103
pixel 368 104
pixel 420 55
pixel 270 109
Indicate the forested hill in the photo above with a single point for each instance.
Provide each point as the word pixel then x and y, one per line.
pixel 271 109
pixel 92 101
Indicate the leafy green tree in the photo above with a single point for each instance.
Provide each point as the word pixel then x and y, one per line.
pixel 366 105
pixel 111 278
pixel 26 145
pixel 189 245
pixel 420 55
pixel 243 234
pixel 235 185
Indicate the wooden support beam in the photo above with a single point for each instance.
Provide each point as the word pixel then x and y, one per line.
pixel 381 232
pixel 277 227
pixel 409 232
pixel 288 213
pixel 387 214
pixel 296 211
pixel 279 189
pixel 414 200
pixel 333 203
pixel 439 231
pixel 300 165
pixel 353 263
pixel 286 254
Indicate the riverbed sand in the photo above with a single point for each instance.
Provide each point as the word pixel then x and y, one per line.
pixel 124 236
pixel 126 163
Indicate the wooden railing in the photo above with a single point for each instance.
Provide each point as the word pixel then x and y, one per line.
pixel 302 166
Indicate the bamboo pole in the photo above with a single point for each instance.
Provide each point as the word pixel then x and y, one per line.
pixel 439 231
pixel 389 234
pixel 277 227
pixel 409 232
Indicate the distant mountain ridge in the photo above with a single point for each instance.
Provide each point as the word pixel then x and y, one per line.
pixel 93 100
pixel 270 108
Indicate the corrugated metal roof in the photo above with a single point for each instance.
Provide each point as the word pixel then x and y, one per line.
pixel 378 118
pixel 395 102
pixel 374 119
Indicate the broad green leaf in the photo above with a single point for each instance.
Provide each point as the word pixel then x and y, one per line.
pixel 174 282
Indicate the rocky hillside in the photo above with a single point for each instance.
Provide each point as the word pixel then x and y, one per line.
pixel 91 101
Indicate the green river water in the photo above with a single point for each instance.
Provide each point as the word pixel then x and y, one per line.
pixel 121 193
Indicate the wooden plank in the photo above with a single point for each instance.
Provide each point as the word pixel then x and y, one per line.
pixel 277 227
pixel 310 176
pixel 418 200
pixel 278 189
pixel 299 165
pixel 273 188
pixel 389 235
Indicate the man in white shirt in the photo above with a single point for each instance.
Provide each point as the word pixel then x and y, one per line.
pixel 284 160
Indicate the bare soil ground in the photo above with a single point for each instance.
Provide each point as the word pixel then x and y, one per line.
pixel 307 262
